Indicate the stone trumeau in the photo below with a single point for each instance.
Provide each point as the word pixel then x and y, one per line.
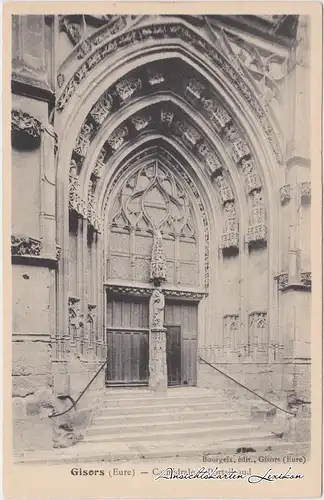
pixel 167 215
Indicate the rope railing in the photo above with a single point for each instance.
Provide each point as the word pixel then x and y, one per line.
pixel 74 403
pixel 244 387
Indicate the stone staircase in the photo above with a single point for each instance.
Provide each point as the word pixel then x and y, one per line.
pixel 184 422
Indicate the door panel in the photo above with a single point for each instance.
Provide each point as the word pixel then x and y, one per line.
pixel 127 337
pixel 173 351
pixel 185 314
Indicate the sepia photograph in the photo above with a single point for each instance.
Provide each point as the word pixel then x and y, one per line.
pixel 161 244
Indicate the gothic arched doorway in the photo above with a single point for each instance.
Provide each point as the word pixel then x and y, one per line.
pixel 152 244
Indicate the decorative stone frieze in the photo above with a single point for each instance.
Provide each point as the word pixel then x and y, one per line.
pixel 102 108
pixel 184 294
pixel 129 290
pixel 305 192
pixel 25 245
pixel 285 194
pixel 158 272
pixel 127 87
pixel 25 129
pixel 251 176
pixel 306 278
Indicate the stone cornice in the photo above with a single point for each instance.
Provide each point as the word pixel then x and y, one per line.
pixel 146 291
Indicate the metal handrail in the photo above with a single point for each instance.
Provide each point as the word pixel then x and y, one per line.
pixel 244 387
pixel 74 403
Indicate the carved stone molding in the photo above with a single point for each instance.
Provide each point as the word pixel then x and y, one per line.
pixel 282 280
pixel 306 278
pixel 257 234
pixel 230 240
pixel 251 176
pixel 127 87
pixel 25 130
pixel 184 294
pixel 76 319
pixel 230 237
pixel 195 88
pixel 225 190
pixel 91 322
pixel 129 290
pixel 93 220
pixel 102 108
pixel 158 260
pixel 83 140
pixel 58 253
pixel 286 284
pixel 25 246
pixel 76 203
pixel 285 194
pixel 240 150
pixel 157 303
pixel 257 230
pixel 305 192
pixel 172 30
pixel 157 359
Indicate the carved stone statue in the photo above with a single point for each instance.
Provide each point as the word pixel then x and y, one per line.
pixel 157 308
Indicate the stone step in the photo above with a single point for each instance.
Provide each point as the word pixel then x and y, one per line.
pixel 167 416
pixel 84 453
pixel 162 407
pixel 119 428
pixel 163 434
pixel 141 400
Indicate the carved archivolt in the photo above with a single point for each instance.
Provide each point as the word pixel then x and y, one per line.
pixel 170 30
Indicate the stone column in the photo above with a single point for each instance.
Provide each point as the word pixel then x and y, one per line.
pixel 158 380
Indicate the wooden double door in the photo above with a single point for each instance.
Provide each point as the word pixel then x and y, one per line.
pixel 127 335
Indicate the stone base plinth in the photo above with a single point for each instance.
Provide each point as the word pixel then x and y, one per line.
pixel 158 380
